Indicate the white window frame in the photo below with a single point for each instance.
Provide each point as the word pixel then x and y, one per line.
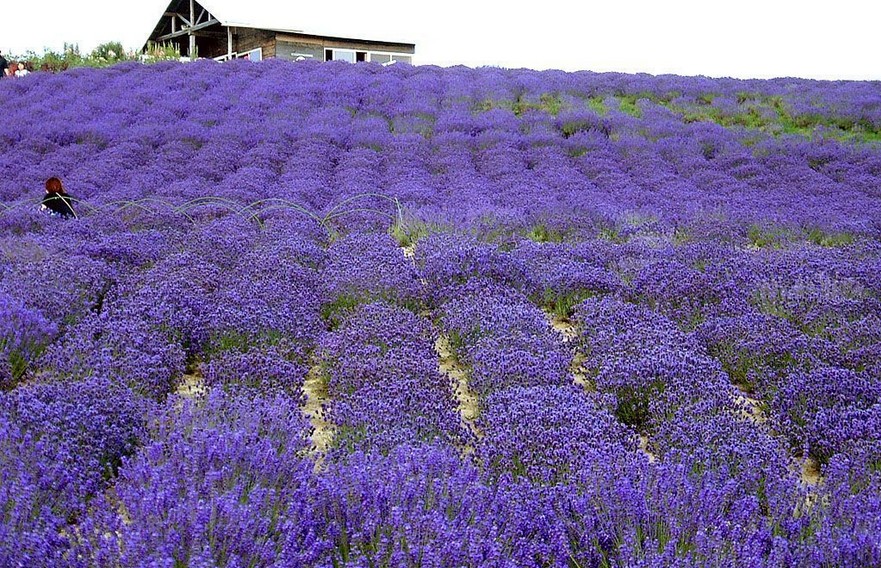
pixel 258 50
pixel 393 54
pixel 241 55
pixel 354 53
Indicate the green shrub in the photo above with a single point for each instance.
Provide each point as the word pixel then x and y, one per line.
pixel 765 237
pixel 105 55
pixel 111 52
pixel 825 239
pixel 408 233
pixel 542 234
pixel 627 104
pixel 598 105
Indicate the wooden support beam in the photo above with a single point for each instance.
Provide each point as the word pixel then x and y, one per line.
pixel 228 42
pixel 218 35
pixel 192 50
pixel 182 17
pixel 186 31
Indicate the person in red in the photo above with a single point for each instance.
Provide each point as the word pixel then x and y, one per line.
pixel 57 202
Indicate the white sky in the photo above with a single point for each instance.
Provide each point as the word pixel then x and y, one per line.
pixel 838 39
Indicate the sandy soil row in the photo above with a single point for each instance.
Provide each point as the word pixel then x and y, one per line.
pixel 753 410
pixel 192 383
pixel 315 389
pixel 562 326
pixel 466 399
pixel 569 332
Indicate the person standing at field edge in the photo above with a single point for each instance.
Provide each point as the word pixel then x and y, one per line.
pixel 22 70
pixel 4 65
pixel 57 202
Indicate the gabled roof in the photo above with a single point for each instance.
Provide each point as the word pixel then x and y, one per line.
pixel 285 17
pixel 262 14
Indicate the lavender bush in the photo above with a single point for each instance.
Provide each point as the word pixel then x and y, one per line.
pixel 320 314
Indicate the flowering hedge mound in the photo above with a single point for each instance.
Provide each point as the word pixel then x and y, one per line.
pixel 322 314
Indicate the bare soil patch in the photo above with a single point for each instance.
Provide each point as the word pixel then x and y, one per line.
pixel 315 389
pixel 562 326
pixel 751 408
pixel 192 384
pixel 466 399
pixel 644 448
pixel 810 472
pixel 579 375
pixel 569 332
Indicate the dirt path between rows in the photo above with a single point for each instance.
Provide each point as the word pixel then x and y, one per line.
pixel 562 326
pixel 749 407
pixel 192 383
pixel 752 409
pixel 569 333
pixel 466 399
pixel 315 389
pixel 450 367
pixel 644 448
pixel 810 472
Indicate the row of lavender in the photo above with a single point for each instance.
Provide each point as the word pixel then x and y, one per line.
pixel 492 150
pixel 732 364
pixel 120 335
pixel 672 379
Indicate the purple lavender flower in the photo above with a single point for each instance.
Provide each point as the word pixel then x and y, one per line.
pixel 61 446
pixel 24 333
pixel 703 237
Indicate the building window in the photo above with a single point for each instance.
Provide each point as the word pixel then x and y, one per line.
pixel 253 55
pixel 353 56
pixel 387 58
pixel 335 54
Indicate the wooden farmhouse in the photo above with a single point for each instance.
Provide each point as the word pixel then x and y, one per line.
pixel 224 29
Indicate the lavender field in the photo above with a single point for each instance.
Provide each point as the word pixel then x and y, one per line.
pixel 322 314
